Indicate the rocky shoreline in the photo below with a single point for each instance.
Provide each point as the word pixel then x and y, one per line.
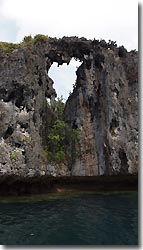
pixel 17 186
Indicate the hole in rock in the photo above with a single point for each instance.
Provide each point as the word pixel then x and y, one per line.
pixel 113 125
pixel 8 132
pixel 24 125
pixel 124 160
pixel 64 77
pixel 74 125
pixel 17 145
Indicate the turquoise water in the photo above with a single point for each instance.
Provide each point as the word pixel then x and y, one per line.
pixel 83 219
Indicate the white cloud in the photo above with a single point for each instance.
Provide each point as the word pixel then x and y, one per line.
pixel 106 19
pixel 64 77
pixel 8 30
pixel 115 20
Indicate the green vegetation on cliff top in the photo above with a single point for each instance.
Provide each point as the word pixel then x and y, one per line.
pixel 9 47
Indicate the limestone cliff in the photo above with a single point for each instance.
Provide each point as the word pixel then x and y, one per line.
pixel 103 106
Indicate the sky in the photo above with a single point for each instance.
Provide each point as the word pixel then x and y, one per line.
pixel 115 20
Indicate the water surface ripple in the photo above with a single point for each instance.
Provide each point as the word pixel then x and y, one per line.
pixel 89 219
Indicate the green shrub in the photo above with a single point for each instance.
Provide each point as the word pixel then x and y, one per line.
pixel 48 105
pixel 59 108
pixel 25 138
pixel 62 140
pixel 39 38
pixel 27 40
pixel 8 47
pixel 13 155
pixel 57 157
pixel 56 137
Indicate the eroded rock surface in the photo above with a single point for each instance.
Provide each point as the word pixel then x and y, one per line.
pixel 105 109
pixel 103 106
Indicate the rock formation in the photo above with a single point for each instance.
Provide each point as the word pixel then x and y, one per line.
pixel 103 106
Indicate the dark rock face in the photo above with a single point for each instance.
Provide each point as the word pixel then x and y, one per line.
pixel 24 84
pixel 103 106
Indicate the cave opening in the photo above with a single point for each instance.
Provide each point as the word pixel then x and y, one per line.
pixel 124 161
pixel 64 77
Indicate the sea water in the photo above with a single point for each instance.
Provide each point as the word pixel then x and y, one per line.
pixel 81 219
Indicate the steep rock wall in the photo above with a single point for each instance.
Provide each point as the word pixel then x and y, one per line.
pixel 24 83
pixel 103 106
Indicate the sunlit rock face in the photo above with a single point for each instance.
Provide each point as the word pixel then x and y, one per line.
pixel 103 107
